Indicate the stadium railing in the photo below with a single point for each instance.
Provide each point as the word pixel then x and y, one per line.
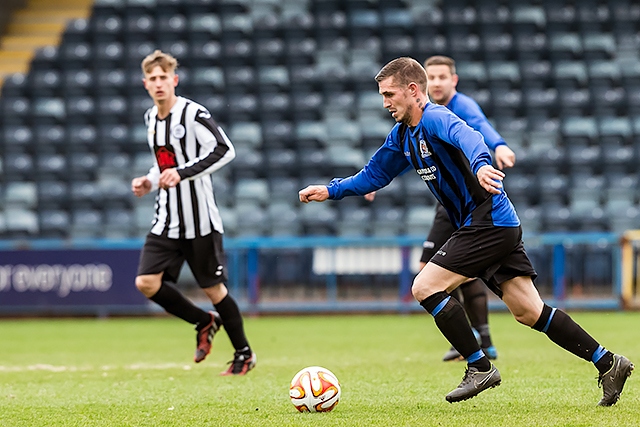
pixel 583 271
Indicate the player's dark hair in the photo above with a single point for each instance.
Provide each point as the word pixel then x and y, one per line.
pixel 441 60
pixel 404 71
pixel 158 58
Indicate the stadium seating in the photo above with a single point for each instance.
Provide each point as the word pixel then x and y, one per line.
pixel 292 85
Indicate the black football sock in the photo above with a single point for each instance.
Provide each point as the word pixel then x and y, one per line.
pixel 475 304
pixel 232 321
pixel 452 322
pixel 169 298
pixel 564 331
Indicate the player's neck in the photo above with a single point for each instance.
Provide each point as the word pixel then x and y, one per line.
pixel 445 103
pixel 165 106
pixel 417 111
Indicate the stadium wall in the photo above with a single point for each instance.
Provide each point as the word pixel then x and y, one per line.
pixel 294 275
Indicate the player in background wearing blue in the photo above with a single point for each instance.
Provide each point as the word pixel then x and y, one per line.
pixel 454 162
pixel 441 86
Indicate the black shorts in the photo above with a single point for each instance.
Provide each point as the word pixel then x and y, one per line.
pixel 204 255
pixel 493 254
pixel 440 232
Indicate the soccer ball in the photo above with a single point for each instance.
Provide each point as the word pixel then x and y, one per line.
pixel 314 389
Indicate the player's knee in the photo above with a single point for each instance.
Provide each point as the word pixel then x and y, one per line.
pixel 421 289
pixel 147 285
pixel 526 317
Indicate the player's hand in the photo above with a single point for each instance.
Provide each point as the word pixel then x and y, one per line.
pixel 169 178
pixel 140 186
pixel 490 178
pixel 505 157
pixel 369 197
pixel 314 193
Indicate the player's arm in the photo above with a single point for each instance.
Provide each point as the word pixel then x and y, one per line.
pixel 387 163
pixel 450 128
pixel 216 148
pixel 474 116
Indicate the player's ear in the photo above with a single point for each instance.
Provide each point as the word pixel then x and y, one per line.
pixel 176 79
pixel 455 79
pixel 413 89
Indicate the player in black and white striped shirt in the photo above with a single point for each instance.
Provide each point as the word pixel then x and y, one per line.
pixel 187 146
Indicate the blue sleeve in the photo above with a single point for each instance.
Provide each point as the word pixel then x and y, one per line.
pixel 469 111
pixel 387 163
pixel 450 128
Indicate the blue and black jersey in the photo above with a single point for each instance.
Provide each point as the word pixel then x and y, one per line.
pixel 446 153
pixel 468 110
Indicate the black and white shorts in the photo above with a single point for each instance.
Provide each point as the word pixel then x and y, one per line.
pixel 205 256
pixel 493 254
pixel 440 232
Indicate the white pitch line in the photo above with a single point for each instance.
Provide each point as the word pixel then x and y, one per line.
pixel 131 367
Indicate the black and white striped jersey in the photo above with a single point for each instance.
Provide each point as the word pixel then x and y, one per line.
pixel 192 142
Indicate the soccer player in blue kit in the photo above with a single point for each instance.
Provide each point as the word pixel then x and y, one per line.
pixel 441 86
pixel 455 163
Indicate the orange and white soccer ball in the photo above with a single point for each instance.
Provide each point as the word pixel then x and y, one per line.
pixel 314 389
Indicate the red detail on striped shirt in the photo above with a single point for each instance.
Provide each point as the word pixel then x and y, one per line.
pixel 166 158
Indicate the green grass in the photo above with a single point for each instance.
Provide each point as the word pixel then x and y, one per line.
pixel 139 372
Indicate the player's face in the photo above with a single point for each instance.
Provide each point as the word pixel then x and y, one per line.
pixel 441 84
pixel 396 99
pixel 160 84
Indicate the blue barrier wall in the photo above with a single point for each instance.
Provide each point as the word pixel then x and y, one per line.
pixel 310 274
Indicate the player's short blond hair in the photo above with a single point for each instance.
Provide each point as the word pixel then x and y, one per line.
pixel 158 58
pixel 404 70
pixel 441 60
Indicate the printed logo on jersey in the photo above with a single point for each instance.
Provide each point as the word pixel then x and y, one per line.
pixel 428 173
pixel 424 150
pixel 204 115
pixel 166 158
pixel 178 131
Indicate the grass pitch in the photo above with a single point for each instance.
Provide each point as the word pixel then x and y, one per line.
pixel 139 372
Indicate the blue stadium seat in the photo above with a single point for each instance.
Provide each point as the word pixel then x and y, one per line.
pixel 80 108
pixel 284 219
pixel 273 77
pixel 118 223
pixel 76 30
pixel 17 138
pixel 282 160
pixel 354 220
pixel 306 105
pixel 530 46
pixel 529 17
pixel 140 25
pixel 86 223
pixel 570 74
pixel 19 194
pixel 565 46
pixel 85 194
pixel 51 165
pixel 240 77
pixel 599 45
pixel 18 166
pixel 20 222
pixel 252 220
pixel 49 108
pixel 530 217
pixel 318 218
pixel 284 188
pixel 388 221
pixel 78 82
pixel 52 194
pixel 54 223
pixel 574 101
